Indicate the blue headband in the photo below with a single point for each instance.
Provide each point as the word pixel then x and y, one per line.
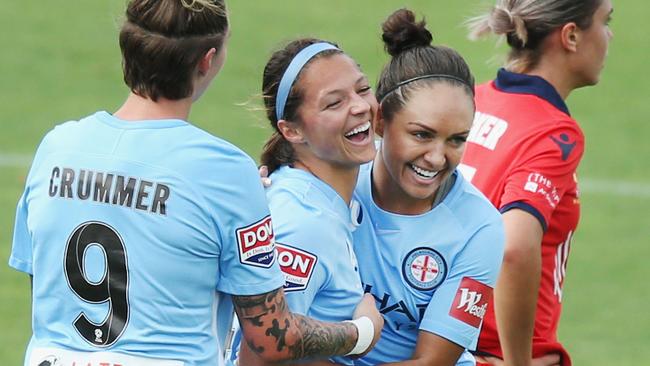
pixel 292 71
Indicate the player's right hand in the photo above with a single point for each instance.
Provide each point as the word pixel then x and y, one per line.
pixel 367 307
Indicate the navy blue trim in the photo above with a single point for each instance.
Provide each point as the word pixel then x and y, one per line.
pixel 528 208
pixel 479 353
pixel 511 82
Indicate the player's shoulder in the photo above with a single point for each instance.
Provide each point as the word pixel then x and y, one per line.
pixel 484 88
pixel 302 189
pixel 470 206
pixel 199 139
pixel 481 223
pixel 305 225
pixel 66 130
pixel 296 197
pixel 531 110
pixel 203 154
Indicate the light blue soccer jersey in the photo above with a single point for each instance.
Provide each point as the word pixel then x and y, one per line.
pixel 432 272
pixel 133 231
pixel 313 239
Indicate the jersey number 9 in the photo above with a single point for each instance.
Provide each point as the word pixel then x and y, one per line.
pixel 113 287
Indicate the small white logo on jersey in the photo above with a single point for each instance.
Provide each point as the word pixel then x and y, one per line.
pixel 487 130
pixel 469 300
pixel 538 183
pixel 531 187
pixel 98 335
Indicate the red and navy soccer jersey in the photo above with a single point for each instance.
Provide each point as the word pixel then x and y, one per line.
pixel 522 152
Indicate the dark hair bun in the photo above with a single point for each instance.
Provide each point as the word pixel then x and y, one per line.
pixel 401 32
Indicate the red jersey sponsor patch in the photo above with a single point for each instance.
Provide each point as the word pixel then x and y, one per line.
pixel 256 244
pixel 538 183
pixel 471 302
pixel 297 266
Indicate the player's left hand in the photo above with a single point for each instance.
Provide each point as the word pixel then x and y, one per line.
pixel 264 176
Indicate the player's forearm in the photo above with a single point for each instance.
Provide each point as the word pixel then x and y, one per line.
pixel 515 304
pixel 274 334
pixel 515 295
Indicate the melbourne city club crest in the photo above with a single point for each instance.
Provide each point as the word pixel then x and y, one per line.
pixel 424 269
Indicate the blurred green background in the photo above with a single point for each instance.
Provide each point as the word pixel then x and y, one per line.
pixel 60 60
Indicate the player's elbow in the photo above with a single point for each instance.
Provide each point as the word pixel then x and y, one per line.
pixel 521 255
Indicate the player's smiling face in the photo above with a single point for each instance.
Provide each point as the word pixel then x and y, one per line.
pixel 423 144
pixel 337 112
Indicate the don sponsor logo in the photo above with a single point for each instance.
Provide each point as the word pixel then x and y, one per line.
pixel 471 302
pixel 297 266
pixel 256 244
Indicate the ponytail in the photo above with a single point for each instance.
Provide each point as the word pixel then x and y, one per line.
pixel 277 152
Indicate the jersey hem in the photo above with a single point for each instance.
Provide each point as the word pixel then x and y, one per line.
pixel 252 289
pixel 20 265
pixel 528 208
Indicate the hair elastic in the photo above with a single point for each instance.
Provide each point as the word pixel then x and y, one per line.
pixel 428 76
pixel 292 71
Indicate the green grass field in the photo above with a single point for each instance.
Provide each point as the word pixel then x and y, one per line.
pixel 60 61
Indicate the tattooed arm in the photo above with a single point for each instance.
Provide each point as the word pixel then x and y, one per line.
pixel 274 334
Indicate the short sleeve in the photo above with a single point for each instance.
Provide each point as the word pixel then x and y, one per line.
pixel 309 238
pixel 21 251
pixel 544 172
pixel 247 261
pixel 457 308
pixel 21 257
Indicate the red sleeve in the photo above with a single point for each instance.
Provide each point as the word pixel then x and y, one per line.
pixel 544 171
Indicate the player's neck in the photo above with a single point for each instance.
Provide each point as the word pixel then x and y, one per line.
pixel 557 76
pixel 137 108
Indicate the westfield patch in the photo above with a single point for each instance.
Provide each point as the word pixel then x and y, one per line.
pixel 471 302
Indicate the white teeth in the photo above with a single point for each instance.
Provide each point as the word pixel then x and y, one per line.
pixel 425 173
pixel 363 128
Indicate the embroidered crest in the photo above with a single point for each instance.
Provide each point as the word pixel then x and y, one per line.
pixel 424 268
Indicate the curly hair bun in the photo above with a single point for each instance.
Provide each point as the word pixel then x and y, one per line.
pixel 401 32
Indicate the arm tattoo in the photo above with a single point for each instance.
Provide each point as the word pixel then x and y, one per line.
pixel 271 326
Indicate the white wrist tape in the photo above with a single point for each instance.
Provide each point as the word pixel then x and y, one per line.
pixel 366 331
